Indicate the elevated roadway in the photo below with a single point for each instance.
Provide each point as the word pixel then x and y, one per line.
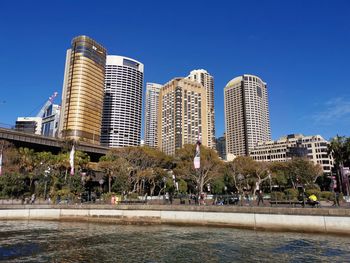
pixel 49 144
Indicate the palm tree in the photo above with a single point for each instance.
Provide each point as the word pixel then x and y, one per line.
pixel 339 148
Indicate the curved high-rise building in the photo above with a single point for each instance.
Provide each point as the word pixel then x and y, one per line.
pixel 122 107
pixel 82 96
pixel 151 113
pixel 246 114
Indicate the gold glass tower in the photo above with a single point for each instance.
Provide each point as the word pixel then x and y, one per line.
pixel 82 96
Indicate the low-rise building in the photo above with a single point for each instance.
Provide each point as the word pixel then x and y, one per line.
pixel 29 125
pixel 295 145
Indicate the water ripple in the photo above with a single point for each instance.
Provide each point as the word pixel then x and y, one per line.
pixel 31 241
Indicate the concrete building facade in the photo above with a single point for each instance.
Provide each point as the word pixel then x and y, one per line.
pixel 285 148
pixel 203 77
pixel 151 114
pixel 50 120
pixel 31 125
pixel 82 96
pixel 122 106
pixel 182 115
pixel 246 114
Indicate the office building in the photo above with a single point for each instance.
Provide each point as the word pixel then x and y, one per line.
pixel 246 114
pixel 29 125
pixel 50 120
pixel 122 106
pixel 182 115
pixel 295 145
pixel 203 77
pixel 82 96
pixel 151 114
pixel 221 147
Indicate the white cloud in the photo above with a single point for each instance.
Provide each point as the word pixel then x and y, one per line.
pixel 333 110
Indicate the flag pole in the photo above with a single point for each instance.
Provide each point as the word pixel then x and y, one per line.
pixel 2 148
pixel 197 164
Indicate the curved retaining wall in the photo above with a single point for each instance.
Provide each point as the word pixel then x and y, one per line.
pixel 317 220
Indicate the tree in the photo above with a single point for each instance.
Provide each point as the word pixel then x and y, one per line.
pixel 339 148
pixel 303 171
pixel 279 173
pixel 27 164
pixel 113 166
pixel 210 166
pixel 143 162
pixel 248 173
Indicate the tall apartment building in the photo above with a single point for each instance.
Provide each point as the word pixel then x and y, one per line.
pixel 182 115
pixel 122 107
pixel 203 77
pixel 82 96
pixel 151 114
pixel 287 147
pixel 246 114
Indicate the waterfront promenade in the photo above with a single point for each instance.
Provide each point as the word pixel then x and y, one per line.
pixel 326 220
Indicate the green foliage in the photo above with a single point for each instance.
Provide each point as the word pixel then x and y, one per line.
pixel 107 196
pixel 134 196
pixel 291 194
pixel 327 195
pixel 75 184
pixel 218 186
pixel 277 196
pixel 12 186
pixel 64 194
pixel 339 147
pixel 211 166
pixel 182 186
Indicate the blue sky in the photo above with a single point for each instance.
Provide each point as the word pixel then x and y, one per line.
pixel 300 48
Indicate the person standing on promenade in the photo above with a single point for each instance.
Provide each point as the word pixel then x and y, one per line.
pixel 32 200
pixel 260 197
pixel 336 199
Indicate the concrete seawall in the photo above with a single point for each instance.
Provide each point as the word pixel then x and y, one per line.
pixel 315 220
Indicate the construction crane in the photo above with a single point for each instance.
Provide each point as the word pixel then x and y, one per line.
pixel 47 104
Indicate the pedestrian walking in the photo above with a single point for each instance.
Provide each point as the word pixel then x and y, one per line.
pixel 32 200
pixel 260 197
pixel 336 199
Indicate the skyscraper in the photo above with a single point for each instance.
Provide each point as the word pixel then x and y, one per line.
pixel 246 114
pixel 182 115
pixel 221 146
pixel 82 95
pixel 203 77
pixel 122 107
pixel 151 113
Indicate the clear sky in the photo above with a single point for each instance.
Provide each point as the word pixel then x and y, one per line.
pixel 301 49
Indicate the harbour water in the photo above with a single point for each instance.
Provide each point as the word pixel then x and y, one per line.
pixel 39 241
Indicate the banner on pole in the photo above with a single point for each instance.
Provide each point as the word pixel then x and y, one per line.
pixel 197 156
pixel 71 160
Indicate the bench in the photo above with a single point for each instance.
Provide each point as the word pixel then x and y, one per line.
pixel 130 202
pixel 295 203
pixel 286 202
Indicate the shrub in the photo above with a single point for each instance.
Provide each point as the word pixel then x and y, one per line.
pixel 277 196
pixel 326 195
pixel 291 193
pixel 312 187
pixel 133 196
